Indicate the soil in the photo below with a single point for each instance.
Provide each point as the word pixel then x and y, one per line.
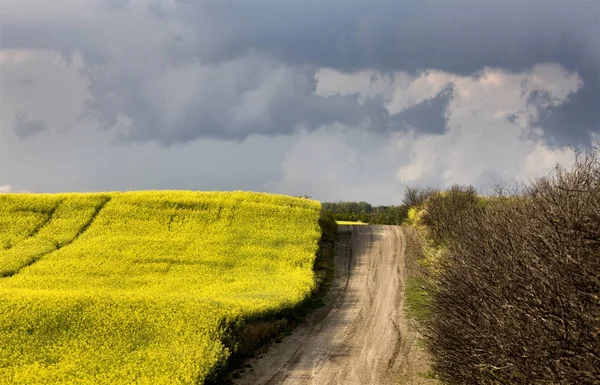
pixel 361 335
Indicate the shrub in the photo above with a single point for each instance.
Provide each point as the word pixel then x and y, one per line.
pixel 517 297
pixel 444 211
pixel 415 196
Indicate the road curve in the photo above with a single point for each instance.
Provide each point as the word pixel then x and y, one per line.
pixel 360 336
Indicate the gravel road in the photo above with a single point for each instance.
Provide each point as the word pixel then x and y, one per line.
pixel 360 336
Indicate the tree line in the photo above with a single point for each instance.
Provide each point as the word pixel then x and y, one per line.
pixel 365 212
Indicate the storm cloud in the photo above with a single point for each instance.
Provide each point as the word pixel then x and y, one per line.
pixel 25 127
pixel 329 79
pixel 429 116
pixel 229 58
pixel 461 37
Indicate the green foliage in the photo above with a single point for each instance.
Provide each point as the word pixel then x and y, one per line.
pixel 145 287
pixel 364 212
pixel 417 298
pixel 444 211
pixel 349 211
pixel 324 260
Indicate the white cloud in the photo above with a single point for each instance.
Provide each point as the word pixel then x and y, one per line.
pixel 543 159
pixel 16 56
pixel 482 139
pixel 340 163
pixel 8 189
pixel 481 143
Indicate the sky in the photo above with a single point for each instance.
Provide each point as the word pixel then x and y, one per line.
pixel 336 99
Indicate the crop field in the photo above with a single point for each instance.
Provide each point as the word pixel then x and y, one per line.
pixel 139 287
pixel 351 223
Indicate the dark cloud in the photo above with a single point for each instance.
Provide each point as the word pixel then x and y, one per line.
pixel 429 116
pixel 572 123
pixel 114 5
pixel 240 99
pixel 64 37
pixel 512 118
pixel 461 37
pixel 25 127
pixel 456 36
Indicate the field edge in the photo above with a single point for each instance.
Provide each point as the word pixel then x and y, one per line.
pixel 251 336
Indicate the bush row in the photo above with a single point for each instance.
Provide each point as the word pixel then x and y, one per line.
pixel 515 295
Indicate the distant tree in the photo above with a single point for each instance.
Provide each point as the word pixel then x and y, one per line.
pixel 415 196
pixel 365 212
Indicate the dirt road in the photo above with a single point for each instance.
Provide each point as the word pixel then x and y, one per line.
pixel 360 336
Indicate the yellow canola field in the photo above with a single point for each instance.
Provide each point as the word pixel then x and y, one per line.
pixel 139 287
pixel 351 223
pixel 39 224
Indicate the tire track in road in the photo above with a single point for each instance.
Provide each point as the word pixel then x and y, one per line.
pixel 361 336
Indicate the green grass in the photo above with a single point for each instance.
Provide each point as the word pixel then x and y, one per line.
pixel 416 298
pixel 142 287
